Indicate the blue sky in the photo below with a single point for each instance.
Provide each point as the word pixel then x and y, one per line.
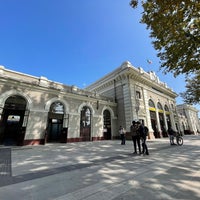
pixel 76 42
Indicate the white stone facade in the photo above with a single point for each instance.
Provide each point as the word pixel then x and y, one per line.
pixel 36 118
pixel 188 119
pixel 35 110
pixel 133 89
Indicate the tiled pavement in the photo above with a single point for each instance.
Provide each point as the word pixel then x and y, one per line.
pixel 101 170
pixel 5 162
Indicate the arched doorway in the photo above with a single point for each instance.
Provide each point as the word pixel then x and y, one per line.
pixel 161 119
pixel 152 111
pixel 55 122
pixel 85 124
pixel 107 125
pixel 11 130
pixel 167 114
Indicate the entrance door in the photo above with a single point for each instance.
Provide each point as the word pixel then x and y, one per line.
pixel 107 125
pixel 55 130
pixel 85 124
pixel 12 121
pixel 55 122
pixel 154 123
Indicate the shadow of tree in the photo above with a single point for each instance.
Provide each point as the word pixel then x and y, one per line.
pixel 106 168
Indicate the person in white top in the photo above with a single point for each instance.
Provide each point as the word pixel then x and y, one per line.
pixel 122 133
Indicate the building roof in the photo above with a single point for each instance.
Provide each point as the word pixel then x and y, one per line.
pixel 127 70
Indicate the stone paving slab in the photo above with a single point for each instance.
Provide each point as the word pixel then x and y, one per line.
pixel 105 170
pixel 92 159
pixel 5 162
pixel 57 170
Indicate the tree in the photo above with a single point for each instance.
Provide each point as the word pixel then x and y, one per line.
pixel 175 29
pixel 192 93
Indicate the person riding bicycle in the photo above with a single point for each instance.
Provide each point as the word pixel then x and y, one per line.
pixel 171 134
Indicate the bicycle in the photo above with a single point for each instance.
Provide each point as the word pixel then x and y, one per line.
pixel 179 139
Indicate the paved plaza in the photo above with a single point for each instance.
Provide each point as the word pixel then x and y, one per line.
pixel 101 170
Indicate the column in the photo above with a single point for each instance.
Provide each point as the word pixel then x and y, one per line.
pixel 158 123
pixel 148 117
pixel 165 120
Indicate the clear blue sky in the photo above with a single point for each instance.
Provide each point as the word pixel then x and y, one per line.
pixel 76 42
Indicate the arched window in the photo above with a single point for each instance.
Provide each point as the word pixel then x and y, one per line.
pixel 138 95
pixel 166 108
pixel 159 106
pixel 151 103
pixel 15 102
pixel 57 107
pixel 106 115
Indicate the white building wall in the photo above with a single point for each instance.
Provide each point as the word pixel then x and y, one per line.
pixel 40 93
pixel 127 106
pixel 121 84
pixel 189 116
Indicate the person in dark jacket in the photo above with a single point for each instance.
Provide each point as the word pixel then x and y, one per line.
pixel 171 134
pixel 135 137
pixel 143 130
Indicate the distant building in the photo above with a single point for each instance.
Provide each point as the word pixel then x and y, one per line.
pixel 35 110
pixel 188 119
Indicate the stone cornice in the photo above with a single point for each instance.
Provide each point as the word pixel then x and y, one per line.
pixel 127 71
pixel 187 107
pixel 26 82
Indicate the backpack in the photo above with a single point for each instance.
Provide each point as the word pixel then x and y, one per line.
pixel 146 131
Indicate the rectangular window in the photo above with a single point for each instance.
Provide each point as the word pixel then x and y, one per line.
pixel 138 95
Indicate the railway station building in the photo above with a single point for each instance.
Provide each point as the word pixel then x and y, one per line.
pixel 35 110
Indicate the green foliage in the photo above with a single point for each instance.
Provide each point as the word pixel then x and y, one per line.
pixel 175 31
pixel 134 3
pixel 192 93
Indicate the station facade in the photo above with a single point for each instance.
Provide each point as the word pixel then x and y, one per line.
pixel 35 110
pixel 140 96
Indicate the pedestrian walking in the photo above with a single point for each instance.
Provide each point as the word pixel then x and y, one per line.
pixel 135 137
pixel 143 135
pixel 171 134
pixel 122 133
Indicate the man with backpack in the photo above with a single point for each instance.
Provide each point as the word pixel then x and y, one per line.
pixel 135 137
pixel 171 134
pixel 143 130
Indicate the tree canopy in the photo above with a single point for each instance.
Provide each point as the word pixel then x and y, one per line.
pixel 175 29
pixel 192 93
